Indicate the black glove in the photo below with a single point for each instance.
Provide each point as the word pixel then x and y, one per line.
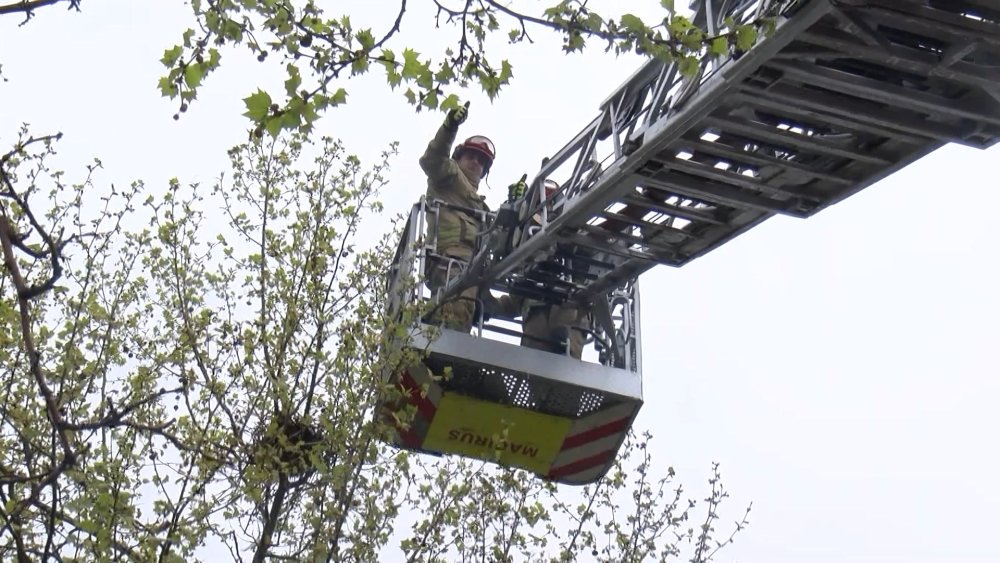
pixel 456 117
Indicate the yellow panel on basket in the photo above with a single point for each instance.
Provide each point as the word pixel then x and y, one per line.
pixel 471 427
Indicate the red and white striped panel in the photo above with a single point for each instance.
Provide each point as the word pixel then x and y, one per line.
pixel 413 382
pixel 592 444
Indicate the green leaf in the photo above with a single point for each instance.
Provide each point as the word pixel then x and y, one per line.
pixel 594 22
pixel 258 105
pixel 317 25
pixel 668 5
pixel 393 78
pixel 193 73
pixel 633 24
pixel 431 99
pixel 359 66
pixel 411 64
pixel 679 26
pixel 294 80
pixel 719 47
pixel 171 56
pixel 289 120
pixel 574 42
pixel 506 71
pixel 366 39
pixel 308 113
pixel 293 114
pixel 445 74
pixel 425 79
pixel 451 102
pixel 339 97
pixel 167 87
pixel 746 36
pixel 688 66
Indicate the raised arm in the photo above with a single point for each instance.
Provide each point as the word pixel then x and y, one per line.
pixel 436 162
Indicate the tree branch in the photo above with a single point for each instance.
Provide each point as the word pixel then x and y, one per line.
pixel 273 516
pixel 28 341
pixel 28 7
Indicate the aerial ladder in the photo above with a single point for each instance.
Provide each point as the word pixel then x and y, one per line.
pixel 842 94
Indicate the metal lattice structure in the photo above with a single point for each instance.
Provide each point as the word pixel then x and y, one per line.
pixel 842 94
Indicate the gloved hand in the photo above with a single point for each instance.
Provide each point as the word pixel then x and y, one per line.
pixel 456 117
pixel 517 190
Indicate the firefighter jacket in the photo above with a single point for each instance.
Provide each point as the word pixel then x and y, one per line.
pixel 456 229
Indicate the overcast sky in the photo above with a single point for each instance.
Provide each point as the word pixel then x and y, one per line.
pixel 842 369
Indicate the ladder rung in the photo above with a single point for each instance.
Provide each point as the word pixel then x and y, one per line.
pixel 735 179
pixel 691 214
pixel 627 271
pixel 869 89
pixel 603 246
pixel 903 58
pixel 720 193
pixel 956 53
pixel 590 261
pixel 631 240
pixel 769 134
pixel 639 222
pixel 556 269
pixel 721 149
pixel 931 22
pixel 530 291
pixel 899 123
pixel 844 120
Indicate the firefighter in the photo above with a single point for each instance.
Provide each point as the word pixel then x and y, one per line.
pixel 546 326
pixel 455 180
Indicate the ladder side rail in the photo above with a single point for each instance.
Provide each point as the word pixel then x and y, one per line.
pixel 622 116
pixel 678 88
pixel 615 319
pixel 614 112
pixel 401 271
pixel 904 58
pixel 653 81
pixel 669 77
pixel 620 301
pixel 636 347
pixel 581 147
pixel 614 182
pixel 711 14
pixel 645 74
pixel 583 159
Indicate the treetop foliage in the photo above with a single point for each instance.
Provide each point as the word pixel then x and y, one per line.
pixel 321 50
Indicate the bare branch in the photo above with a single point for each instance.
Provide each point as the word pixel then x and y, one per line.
pixel 28 7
